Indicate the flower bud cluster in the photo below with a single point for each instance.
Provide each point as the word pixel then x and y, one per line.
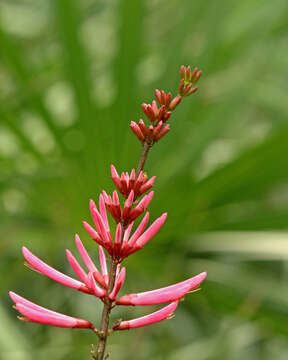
pixel 159 114
pixel 126 183
pixel 188 79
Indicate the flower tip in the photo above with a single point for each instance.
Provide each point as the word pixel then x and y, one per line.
pixel 26 253
pixel 91 204
pixel 163 217
pixel 203 275
pixel 150 195
pixel 24 250
pixel 113 171
pixel 12 295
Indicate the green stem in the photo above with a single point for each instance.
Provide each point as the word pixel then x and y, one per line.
pixel 143 157
pixel 100 351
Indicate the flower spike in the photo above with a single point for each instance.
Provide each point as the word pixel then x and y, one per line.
pixel 135 186
pixel 157 316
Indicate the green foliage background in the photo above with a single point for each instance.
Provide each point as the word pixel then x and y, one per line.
pixel 72 76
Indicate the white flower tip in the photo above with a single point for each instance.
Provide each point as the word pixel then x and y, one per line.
pixel 24 249
pixel 203 275
pixel 12 295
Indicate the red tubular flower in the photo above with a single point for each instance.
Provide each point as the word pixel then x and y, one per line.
pixel 103 264
pixel 157 316
pixel 137 131
pixel 89 264
pixel 124 246
pixel 125 215
pixel 87 282
pixel 104 238
pixel 40 266
pixel 154 133
pixel 38 314
pixel 118 284
pixel 166 100
pixel 139 242
pixel 163 295
pixel 100 293
pixel 141 207
pixel 76 267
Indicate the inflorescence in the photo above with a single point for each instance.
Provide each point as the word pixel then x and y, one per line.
pixel 126 240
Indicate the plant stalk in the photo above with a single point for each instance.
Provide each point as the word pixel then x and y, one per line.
pixel 100 351
pixel 143 157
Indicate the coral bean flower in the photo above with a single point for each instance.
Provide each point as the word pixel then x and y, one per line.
pixel 125 238
pixel 39 314
pixel 163 295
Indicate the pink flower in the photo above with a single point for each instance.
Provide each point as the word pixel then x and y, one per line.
pixel 150 134
pixel 121 249
pixel 38 314
pixel 94 283
pixel 122 242
pixel 157 316
pixel 163 295
pixel 37 264
pixel 118 284
pixel 126 183
pixel 137 131
pixel 155 114
pixel 166 100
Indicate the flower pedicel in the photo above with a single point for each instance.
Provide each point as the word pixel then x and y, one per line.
pixel 126 240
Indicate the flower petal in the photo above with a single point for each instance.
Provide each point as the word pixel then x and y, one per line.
pixel 52 273
pixel 39 314
pixel 157 316
pixel 163 295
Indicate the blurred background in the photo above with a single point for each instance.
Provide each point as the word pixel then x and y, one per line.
pixel 73 74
